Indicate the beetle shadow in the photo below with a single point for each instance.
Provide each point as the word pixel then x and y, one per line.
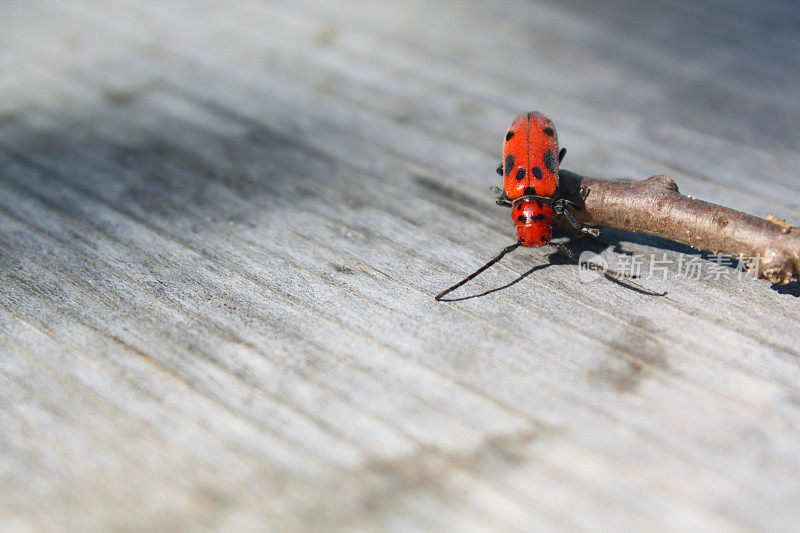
pixel 502 287
pixel 558 258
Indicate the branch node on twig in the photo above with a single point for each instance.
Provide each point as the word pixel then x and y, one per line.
pixel 660 180
pixel 785 226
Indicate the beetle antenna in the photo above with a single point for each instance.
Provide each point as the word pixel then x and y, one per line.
pixel 506 250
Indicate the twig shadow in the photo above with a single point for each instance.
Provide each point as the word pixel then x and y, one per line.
pixel 612 239
pixel 792 289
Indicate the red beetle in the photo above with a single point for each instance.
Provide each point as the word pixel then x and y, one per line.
pixel 530 187
pixel 530 170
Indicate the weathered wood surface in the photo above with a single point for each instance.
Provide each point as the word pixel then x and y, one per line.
pixel 222 225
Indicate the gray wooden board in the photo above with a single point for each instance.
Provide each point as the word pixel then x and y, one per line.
pixel 222 224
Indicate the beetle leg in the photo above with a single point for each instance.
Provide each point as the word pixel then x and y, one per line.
pixel 502 199
pixel 561 207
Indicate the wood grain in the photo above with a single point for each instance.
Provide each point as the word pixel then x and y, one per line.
pixel 222 226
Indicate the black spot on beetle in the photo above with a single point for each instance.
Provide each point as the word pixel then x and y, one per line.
pixel 537 172
pixel 509 135
pixel 509 164
pixel 539 217
pixel 519 207
pixel 550 161
pixel 539 204
pixel 530 191
pixel 543 238
pixel 520 174
pixel 522 218
pixel 550 132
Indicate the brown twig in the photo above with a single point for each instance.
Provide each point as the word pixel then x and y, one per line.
pixel 770 247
